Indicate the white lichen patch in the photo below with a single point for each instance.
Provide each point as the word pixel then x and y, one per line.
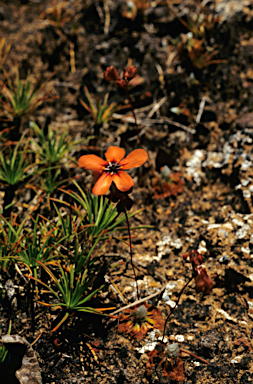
pixel 243 232
pixel 228 9
pixel 150 342
pixel 235 155
pixel 193 166
pixel 214 160
pixel 170 287
pixel 167 244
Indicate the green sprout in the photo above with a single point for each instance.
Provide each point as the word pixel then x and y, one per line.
pixel 48 181
pixel 100 111
pixel 14 167
pixel 3 350
pixel 72 290
pixel 51 152
pixel 22 98
pixel 51 148
pixel 33 248
pixel 98 211
pixel 10 237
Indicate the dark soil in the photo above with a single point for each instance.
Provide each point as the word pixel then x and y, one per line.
pixel 208 146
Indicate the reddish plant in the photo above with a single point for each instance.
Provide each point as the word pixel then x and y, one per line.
pixel 111 74
pixel 168 356
pixel 204 283
pixel 165 187
pixel 129 73
pixel 113 168
pixel 138 321
pixel 173 369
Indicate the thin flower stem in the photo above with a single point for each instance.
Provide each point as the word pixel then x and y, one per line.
pixel 134 115
pixel 131 252
pixel 173 309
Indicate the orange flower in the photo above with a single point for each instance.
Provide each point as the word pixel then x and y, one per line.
pixel 112 169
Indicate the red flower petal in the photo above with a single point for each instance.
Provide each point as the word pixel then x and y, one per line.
pixel 103 184
pixel 92 162
pixel 114 154
pixel 123 181
pixel 130 72
pixel 135 159
pixel 110 73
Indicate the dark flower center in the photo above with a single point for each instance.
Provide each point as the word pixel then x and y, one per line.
pixel 112 167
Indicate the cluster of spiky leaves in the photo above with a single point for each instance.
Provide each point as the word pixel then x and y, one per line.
pixel 68 248
pixel 64 245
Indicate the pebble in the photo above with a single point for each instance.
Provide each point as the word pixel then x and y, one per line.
pixel 245 250
pixel 179 338
pixel 225 259
pixel 171 303
pixel 202 247
pixel 222 233
pixel 236 360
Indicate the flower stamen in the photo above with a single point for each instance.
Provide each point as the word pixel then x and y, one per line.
pixel 112 168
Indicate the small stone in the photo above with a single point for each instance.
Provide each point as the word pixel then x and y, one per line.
pixel 171 303
pixel 202 247
pixel 179 338
pixel 236 360
pixel 245 250
pixel 222 233
pixel 225 259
